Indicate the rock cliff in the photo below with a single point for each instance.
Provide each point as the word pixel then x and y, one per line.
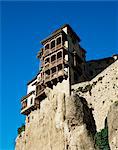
pixel 113 126
pixel 66 122
pixel 62 123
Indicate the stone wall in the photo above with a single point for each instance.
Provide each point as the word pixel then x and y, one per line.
pixel 100 93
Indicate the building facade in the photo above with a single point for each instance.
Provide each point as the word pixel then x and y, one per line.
pixel 62 58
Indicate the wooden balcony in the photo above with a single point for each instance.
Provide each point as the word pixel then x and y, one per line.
pixel 25 108
pixel 47 66
pixel 26 96
pixel 41 79
pixel 47 52
pixel 56 48
pixel 55 75
pixel 47 78
pixel 54 63
pixel 39 90
pixel 24 104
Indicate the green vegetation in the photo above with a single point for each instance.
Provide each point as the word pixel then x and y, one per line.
pixel 101 139
pixel 21 129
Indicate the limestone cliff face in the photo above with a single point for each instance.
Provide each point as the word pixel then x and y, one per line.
pixel 62 123
pixel 113 126
pixel 66 122
pixel 100 93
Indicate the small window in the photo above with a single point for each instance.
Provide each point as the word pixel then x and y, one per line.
pixel 59 67
pixel 47 72
pixel 53 44
pixel 53 58
pixel 58 40
pixel 53 69
pixel 47 46
pixel 31 101
pixel 59 55
pixel 47 60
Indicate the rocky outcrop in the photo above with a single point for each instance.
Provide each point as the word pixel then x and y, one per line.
pixel 62 123
pixel 100 93
pixel 113 126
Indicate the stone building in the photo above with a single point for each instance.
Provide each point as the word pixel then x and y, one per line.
pixel 69 99
pixel 61 57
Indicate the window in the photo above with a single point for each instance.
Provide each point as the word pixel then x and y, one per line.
pixel 59 55
pixel 58 40
pixel 31 101
pixel 24 104
pixel 53 58
pixel 47 47
pixel 53 44
pixel 59 67
pixel 47 72
pixel 53 69
pixel 47 60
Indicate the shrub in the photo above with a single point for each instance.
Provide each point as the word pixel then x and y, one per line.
pixel 101 139
pixel 21 129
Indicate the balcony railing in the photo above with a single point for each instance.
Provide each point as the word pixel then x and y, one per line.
pixel 54 63
pixel 55 75
pixel 47 65
pixel 58 46
pixel 39 90
pixel 49 51
pixel 47 78
pixel 46 52
pixel 41 79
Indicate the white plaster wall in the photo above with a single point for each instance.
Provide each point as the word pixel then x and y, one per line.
pixel 65 29
pixel 31 87
pixel 29 100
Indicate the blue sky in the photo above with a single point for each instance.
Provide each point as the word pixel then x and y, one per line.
pixel 24 25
